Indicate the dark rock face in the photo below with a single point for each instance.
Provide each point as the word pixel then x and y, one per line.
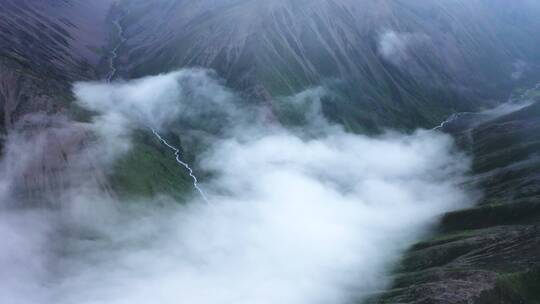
pixel 64 38
pixel 489 253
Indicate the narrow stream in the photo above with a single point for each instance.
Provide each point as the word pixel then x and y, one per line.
pixel 511 100
pixel 111 75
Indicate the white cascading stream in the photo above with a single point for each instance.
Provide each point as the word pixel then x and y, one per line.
pixel 110 77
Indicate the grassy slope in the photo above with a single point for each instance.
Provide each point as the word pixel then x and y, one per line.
pixel 489 253
pixel 148 169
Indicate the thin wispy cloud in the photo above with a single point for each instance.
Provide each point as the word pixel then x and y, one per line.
pixel 396 47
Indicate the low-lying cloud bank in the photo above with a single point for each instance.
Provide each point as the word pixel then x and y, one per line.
pixel 295 216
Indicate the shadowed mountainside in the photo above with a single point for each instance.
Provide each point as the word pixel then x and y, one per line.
pixel 387 63
pixel 44 47
pixel 390 63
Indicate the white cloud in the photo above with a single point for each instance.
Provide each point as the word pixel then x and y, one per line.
pixel 293 217
pixel 520 67
pixel 192 98
pixel 395 47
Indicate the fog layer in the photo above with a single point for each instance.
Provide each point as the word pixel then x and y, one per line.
pixel 301 216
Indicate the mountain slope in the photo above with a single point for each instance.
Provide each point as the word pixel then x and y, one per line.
pixel 44 46
pixel 488 253
pixel 391 63
pixel 402 64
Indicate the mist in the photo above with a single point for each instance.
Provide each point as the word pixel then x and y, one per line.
pixel 295 215
pixel 395 47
